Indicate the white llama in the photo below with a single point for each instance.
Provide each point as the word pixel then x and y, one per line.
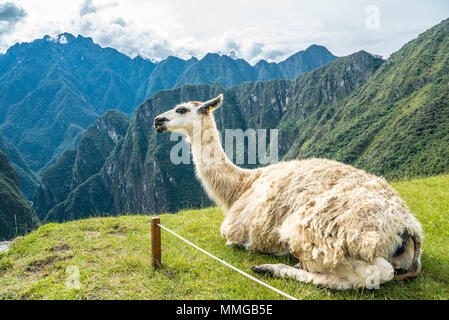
pixel 348 228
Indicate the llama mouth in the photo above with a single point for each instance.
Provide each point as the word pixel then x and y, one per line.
pixel 161 129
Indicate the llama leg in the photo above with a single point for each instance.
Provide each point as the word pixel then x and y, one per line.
pixel 357 274
pixel 325 279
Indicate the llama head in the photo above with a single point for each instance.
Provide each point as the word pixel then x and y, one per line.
pixel 182 118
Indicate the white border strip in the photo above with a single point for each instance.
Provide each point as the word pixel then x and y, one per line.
pixel 228 265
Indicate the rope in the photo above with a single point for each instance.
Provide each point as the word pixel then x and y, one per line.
pixel 228 265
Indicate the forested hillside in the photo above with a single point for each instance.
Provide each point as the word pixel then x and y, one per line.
pixel 388 117
pixel 52 89
pixel 396 124
pixel 16 215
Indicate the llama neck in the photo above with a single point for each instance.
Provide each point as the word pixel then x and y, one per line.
pixel 223 181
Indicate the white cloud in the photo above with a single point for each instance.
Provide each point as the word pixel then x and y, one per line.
pixel 119 21
pixel 243 28
pixel 10 15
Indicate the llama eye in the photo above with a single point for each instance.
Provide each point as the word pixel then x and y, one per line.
pixel 181 110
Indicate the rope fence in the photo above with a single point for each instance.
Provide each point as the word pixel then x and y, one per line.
pixel 157 256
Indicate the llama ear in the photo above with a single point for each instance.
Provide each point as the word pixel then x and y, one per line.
pixel 210 105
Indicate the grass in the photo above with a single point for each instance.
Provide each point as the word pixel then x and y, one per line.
pixel 113 258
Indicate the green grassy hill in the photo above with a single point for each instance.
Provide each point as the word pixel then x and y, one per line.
pixel 113 256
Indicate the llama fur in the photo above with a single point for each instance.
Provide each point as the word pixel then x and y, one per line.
pixel 343 224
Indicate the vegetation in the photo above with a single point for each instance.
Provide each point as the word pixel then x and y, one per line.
pixel 139 176
pixel 397 123
pixel 16 215
pixel 55 184
pixel 389 117
pixel 29 181
pixel 230 72
pixel 113 258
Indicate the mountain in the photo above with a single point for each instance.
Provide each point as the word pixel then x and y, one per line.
pixel 165 75
pixel 29 181
pixel 217 68
pixel 55 185
pixel 138 176
pixel 76 166
pixel 100 246
pixel 397 123
pixel 53 88
pixel 318 95
pixel 388 117
pixel 304 61
pixel 16 215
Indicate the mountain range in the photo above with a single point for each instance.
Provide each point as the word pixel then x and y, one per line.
pixel 138 175
pixel 53 88
pixel 388 117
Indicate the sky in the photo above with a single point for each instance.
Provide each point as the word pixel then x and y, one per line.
pixel 248 29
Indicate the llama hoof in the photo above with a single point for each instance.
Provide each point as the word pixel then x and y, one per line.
pixel 262 270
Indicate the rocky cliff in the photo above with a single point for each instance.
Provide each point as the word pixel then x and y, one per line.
pixel 76 166
pixel 16 215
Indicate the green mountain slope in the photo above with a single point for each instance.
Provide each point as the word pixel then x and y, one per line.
pixel 396 124
pixel 390 118
pixel 75 166
pixel 55 185
pixel 304 61
pixel 114 260
pixel 139 177
pixel 53 88
pixel 29 181
pixel 16 215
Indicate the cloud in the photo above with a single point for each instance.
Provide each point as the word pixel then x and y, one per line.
pixel 10 15
pixel 88 7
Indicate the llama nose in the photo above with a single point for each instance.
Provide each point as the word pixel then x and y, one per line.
pixel 158 121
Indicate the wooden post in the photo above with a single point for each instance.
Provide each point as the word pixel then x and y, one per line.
pixel 156 242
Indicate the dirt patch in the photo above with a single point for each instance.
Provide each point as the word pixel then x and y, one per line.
pixel 170 273
pixel 60 248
